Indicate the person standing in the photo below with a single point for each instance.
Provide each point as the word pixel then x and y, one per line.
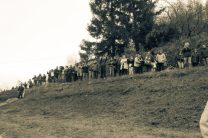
pixel 180 60
pixel 30 85
pixel 39 78
pixel 95 70
pixel 52 77
pixel 60 75
pixel 186 51
pixel 85 69
pixel 80 71
pixel 115 66
pixel 103 61
pixel 138 63
pixel 160 59
pixel 35 80
pixel 111 67
pixel 66 74
pixel 21 91
pixel 149 62
pixel 131 65
pixel 90 70
pixel 117 63
pixel 56 74
pixel 43 79
pixel 124 65
pixel 195 58
pixel 204 55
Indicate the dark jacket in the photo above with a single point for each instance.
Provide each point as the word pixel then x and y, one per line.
pixel 186 52
pixel 195 58
pixel 179 58
pixel 204 52
pixel 130 61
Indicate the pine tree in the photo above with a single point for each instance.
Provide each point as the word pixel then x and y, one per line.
pixel 87 51
pixel 116 22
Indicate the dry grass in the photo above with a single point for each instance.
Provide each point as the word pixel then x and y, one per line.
pixel 165 104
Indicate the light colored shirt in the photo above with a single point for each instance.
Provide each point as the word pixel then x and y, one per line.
pixel 161 58
pixel 124 63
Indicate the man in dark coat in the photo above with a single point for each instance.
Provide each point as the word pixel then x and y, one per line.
pixel 102 62
pixel 21 91
pixel 195 58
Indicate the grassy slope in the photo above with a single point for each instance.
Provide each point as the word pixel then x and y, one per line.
pixel 166 104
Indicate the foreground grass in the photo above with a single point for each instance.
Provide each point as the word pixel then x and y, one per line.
pixel 165 104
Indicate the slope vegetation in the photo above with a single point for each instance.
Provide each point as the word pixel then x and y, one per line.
pixel 164 104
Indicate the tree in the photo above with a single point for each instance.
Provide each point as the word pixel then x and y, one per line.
pixel 187 19
pixel 87 53
pixel 116 22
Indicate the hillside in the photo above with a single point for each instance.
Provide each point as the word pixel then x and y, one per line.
pixel 165 104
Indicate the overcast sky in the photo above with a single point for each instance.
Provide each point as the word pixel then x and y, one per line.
pixel 38 35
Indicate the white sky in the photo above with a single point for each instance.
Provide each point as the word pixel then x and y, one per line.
pixel 38 35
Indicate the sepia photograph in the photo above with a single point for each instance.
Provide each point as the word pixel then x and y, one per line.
pixel 103 68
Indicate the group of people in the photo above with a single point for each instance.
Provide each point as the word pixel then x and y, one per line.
pixel 191 58
pixel 102 68
pixel 105 66
pixel 118 66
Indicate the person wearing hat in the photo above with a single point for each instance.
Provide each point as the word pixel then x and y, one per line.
pixel 186 51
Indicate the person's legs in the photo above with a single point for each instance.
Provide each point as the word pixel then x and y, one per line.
pixel 124 71
pixel 18 95
pixel 21 94
pixel 114 71
pixel 159 66
pixel 180 65
pixel 95 74
pixel 111 71
pixel 185 61
pixel 135 70
pixel 148 68
pixel 90 74
pixel 162 67
pixel 131 71
pixel 101 72
pixel 154 66
pixel 189 62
